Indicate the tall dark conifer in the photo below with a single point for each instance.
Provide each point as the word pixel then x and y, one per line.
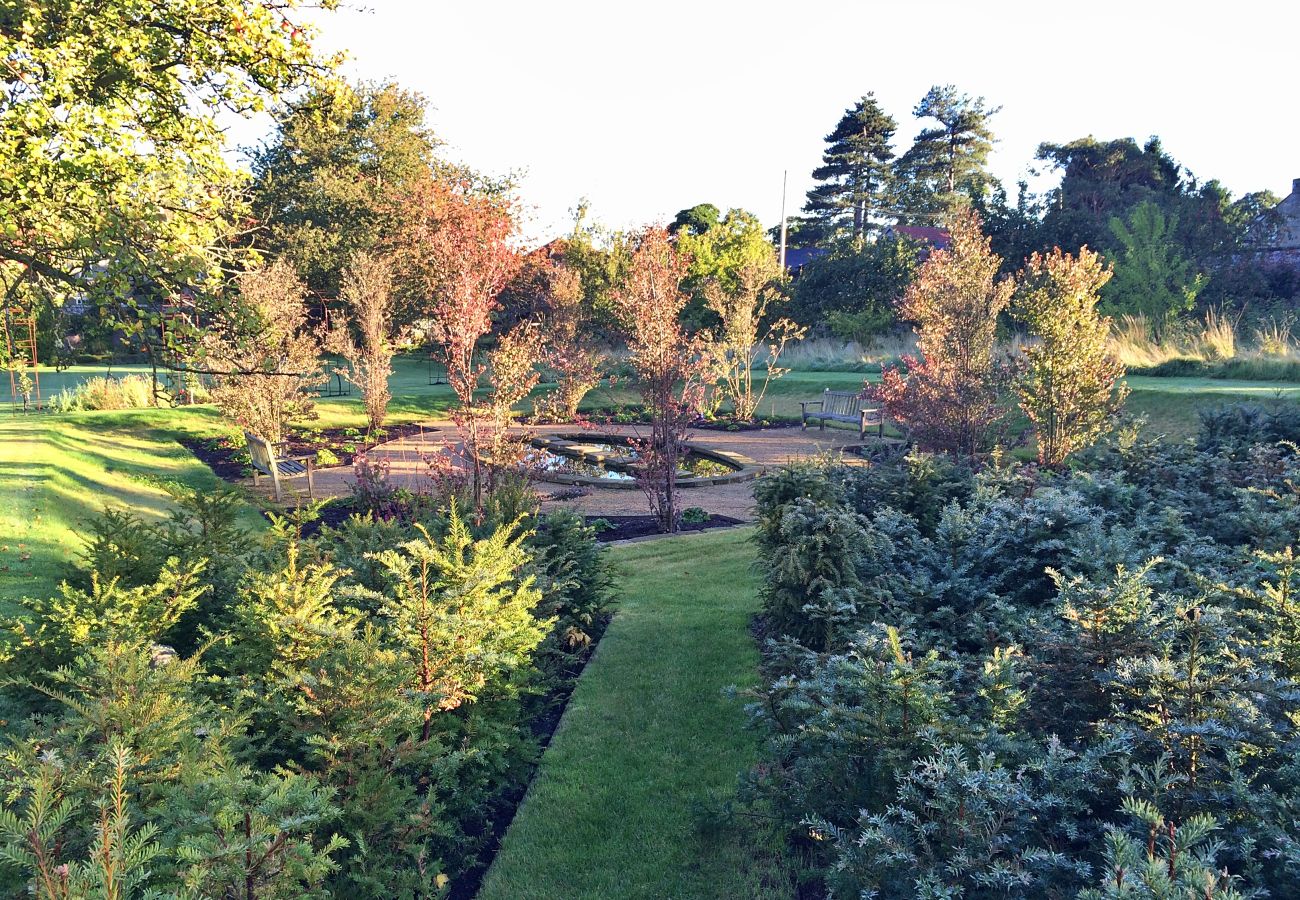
pixel 854 177
pixel 946 164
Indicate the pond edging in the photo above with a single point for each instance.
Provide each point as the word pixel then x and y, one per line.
pixel 570 445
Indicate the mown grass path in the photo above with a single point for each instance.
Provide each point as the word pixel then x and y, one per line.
pixel 648 741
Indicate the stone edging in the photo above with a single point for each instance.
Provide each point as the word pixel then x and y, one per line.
pixel 748 469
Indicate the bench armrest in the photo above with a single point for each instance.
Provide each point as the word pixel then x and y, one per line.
pixel 804 404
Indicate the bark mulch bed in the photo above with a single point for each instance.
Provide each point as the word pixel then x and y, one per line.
pixel 608 528
pixel 627 527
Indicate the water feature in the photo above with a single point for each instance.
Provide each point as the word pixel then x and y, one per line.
pixel 612 462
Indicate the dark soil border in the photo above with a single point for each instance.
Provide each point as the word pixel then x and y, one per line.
pixel 626 528
pixel 553 706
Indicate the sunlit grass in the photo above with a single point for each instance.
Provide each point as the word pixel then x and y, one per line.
pixel 649 743
pixel 58 471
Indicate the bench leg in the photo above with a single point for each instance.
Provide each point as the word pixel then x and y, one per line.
pixel 275 480
pixel 311 488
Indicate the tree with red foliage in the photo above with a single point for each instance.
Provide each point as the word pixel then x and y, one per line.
pixel 454 255
pixel 669 365
pixel 952 398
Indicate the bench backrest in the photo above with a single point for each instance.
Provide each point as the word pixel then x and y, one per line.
pixel 841 403
pixel 259 448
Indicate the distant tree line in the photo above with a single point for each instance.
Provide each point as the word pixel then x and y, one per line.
pixel 1177 242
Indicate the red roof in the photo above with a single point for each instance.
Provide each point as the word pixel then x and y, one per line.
pixel 938 237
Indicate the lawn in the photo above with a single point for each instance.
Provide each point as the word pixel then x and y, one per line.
pixel 649 741
pixel 58 471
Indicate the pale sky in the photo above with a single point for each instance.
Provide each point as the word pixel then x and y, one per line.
pixel 646 108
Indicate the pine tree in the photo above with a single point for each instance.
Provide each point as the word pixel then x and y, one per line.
pixel 946 163
pixel 854 176
pixel 462 614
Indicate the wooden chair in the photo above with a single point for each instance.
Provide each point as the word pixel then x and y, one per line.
pixel 267 462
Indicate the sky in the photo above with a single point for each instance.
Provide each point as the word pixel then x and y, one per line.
pixel 646 108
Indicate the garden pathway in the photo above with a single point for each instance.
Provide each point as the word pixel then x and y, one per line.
pixel 768 447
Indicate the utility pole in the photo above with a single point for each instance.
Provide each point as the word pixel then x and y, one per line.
pixel 784 175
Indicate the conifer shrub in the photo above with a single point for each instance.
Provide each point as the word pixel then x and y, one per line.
pixel 1020 682
pixel 352 713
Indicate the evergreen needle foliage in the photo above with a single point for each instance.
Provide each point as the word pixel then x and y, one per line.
pixel 1021 682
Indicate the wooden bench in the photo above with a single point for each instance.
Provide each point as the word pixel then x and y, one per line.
pixel 267 462
pixel 843 406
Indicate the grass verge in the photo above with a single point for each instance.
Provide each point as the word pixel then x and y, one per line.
pixel 58 471
pixel 649 741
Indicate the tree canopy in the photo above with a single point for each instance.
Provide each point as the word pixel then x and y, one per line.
pixel 110 148
pixel 320 183
pixel 947 162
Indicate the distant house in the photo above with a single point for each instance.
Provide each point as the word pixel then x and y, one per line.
pixel 1283 247
pixel 798 257
pixel 928 237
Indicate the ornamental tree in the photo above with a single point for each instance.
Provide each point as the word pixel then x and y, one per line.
pixel 367 339
pixel 570 351
pixel 950 398
pixel 111 165
pixel 669 365
pixel 1070 386
pixel 513 372
pixel 454 254
pixel 745 339
pixel 265 353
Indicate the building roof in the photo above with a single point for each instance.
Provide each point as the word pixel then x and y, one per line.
pixel 797 257
pixel 935 237
pixel 1288 226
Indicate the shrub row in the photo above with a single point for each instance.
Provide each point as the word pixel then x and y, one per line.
pixel 1018 683
pixel 206 712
